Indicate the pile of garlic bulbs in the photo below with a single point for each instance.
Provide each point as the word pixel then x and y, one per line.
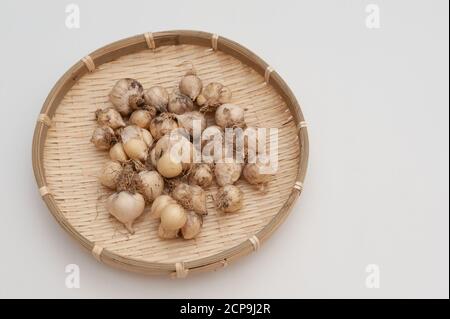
pixel 153 161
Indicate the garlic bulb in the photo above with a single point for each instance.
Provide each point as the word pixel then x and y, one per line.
pixel 179 103
pixel 191 120
pixel 213 95
pixel 230 115
pixel 258 174
pixel 117 153
pixel 103 137
pixel 110 174
pixel 127 95
pixel 191 85
pixel 247 141
pixel 173 217
pixel 109 117
pixel 213 133
pixel 159 203
pixel 227 173
pixel 134 143
pixel 126 207
pixel 141 118
pixel 201 175
pixel 229 199
pixel 192 226
pixel 167 234
pixel 169 166
pixel 191 197
pixel 150 184
pixel 163 124
pixel 158 97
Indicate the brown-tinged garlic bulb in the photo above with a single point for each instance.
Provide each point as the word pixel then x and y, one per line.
pixel 126 207
pixel 167 234
pixel 212 96
pixel 193 225
pixel 117 153
pixel 201 174
pixel 159 203
pixel 191 197
pixel 213 133
pixel 150 184
pixel 103 138
pixel 109 117
pixel 179 103
pixel 141 118
pixel 191 85
pixel 127 95
pixel 110 174
pixel 229 199
pixel 227 173
pixel 191 120
pixel 169 165
pixel 230 115
pixel 258 173
pixel 173 217
pixel 163 124
pixel 134 144
pixel 158 97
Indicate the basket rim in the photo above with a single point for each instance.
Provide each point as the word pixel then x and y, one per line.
pixel 134 44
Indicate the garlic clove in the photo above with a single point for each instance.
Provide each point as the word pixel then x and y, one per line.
pixel 109 117
pixel 117 153
pixel 173 217
pixel 191 86
pixel 192 122
pixel 193 225
pixel 127 95
pixel 158 97
pixel 150 184
pixel 163 124
pixel 103 137
pixel 159 203
pixel 179 103
pixel 230 115
pixel 126 207
pixel 141 118
pixel 229 199
pixel 227 173
pixel 169 166
pixel 110 174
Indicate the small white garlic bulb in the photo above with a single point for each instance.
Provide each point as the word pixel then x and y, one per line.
pixel 126 207
pixel 191 197
pixel 173 217
pixel 163 124
pixel 134 143
pixel 169 166
pixel 230 115
pixel 110 174
pixel 109 117
pixel 191 120
pixel 201 175
pixel 117 153
pixel 179 103
pixel 258 173
pixel 192 226
pixel 213 95
pixel 159 203
pixel 229 199
pixel 227 173
pixel 141 118
pixel 150 184
pixel 103 137
pixel 127 95
pixel 158 97
pixel 191 85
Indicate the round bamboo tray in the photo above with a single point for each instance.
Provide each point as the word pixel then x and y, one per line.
pixel 66 164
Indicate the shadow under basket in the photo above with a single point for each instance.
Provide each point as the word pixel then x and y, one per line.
pixel 66 164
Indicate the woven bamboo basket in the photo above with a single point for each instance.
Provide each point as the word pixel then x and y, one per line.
pixel 66 164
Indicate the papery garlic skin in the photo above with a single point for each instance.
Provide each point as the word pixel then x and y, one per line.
pixel 193 225
pixel 103 137
pixel 173 217
pixel 191 86
pixel 127 95
pixel 230 116
pixel 109 117
pixel 117 153
pixel 158 97
pixel 229 199
pixel 141 118
pixel 151 184
pixel 159 203
pixel 179 103
pixel 126 207
pixel 110 174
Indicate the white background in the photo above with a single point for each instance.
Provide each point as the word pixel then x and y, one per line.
pixel 377 185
